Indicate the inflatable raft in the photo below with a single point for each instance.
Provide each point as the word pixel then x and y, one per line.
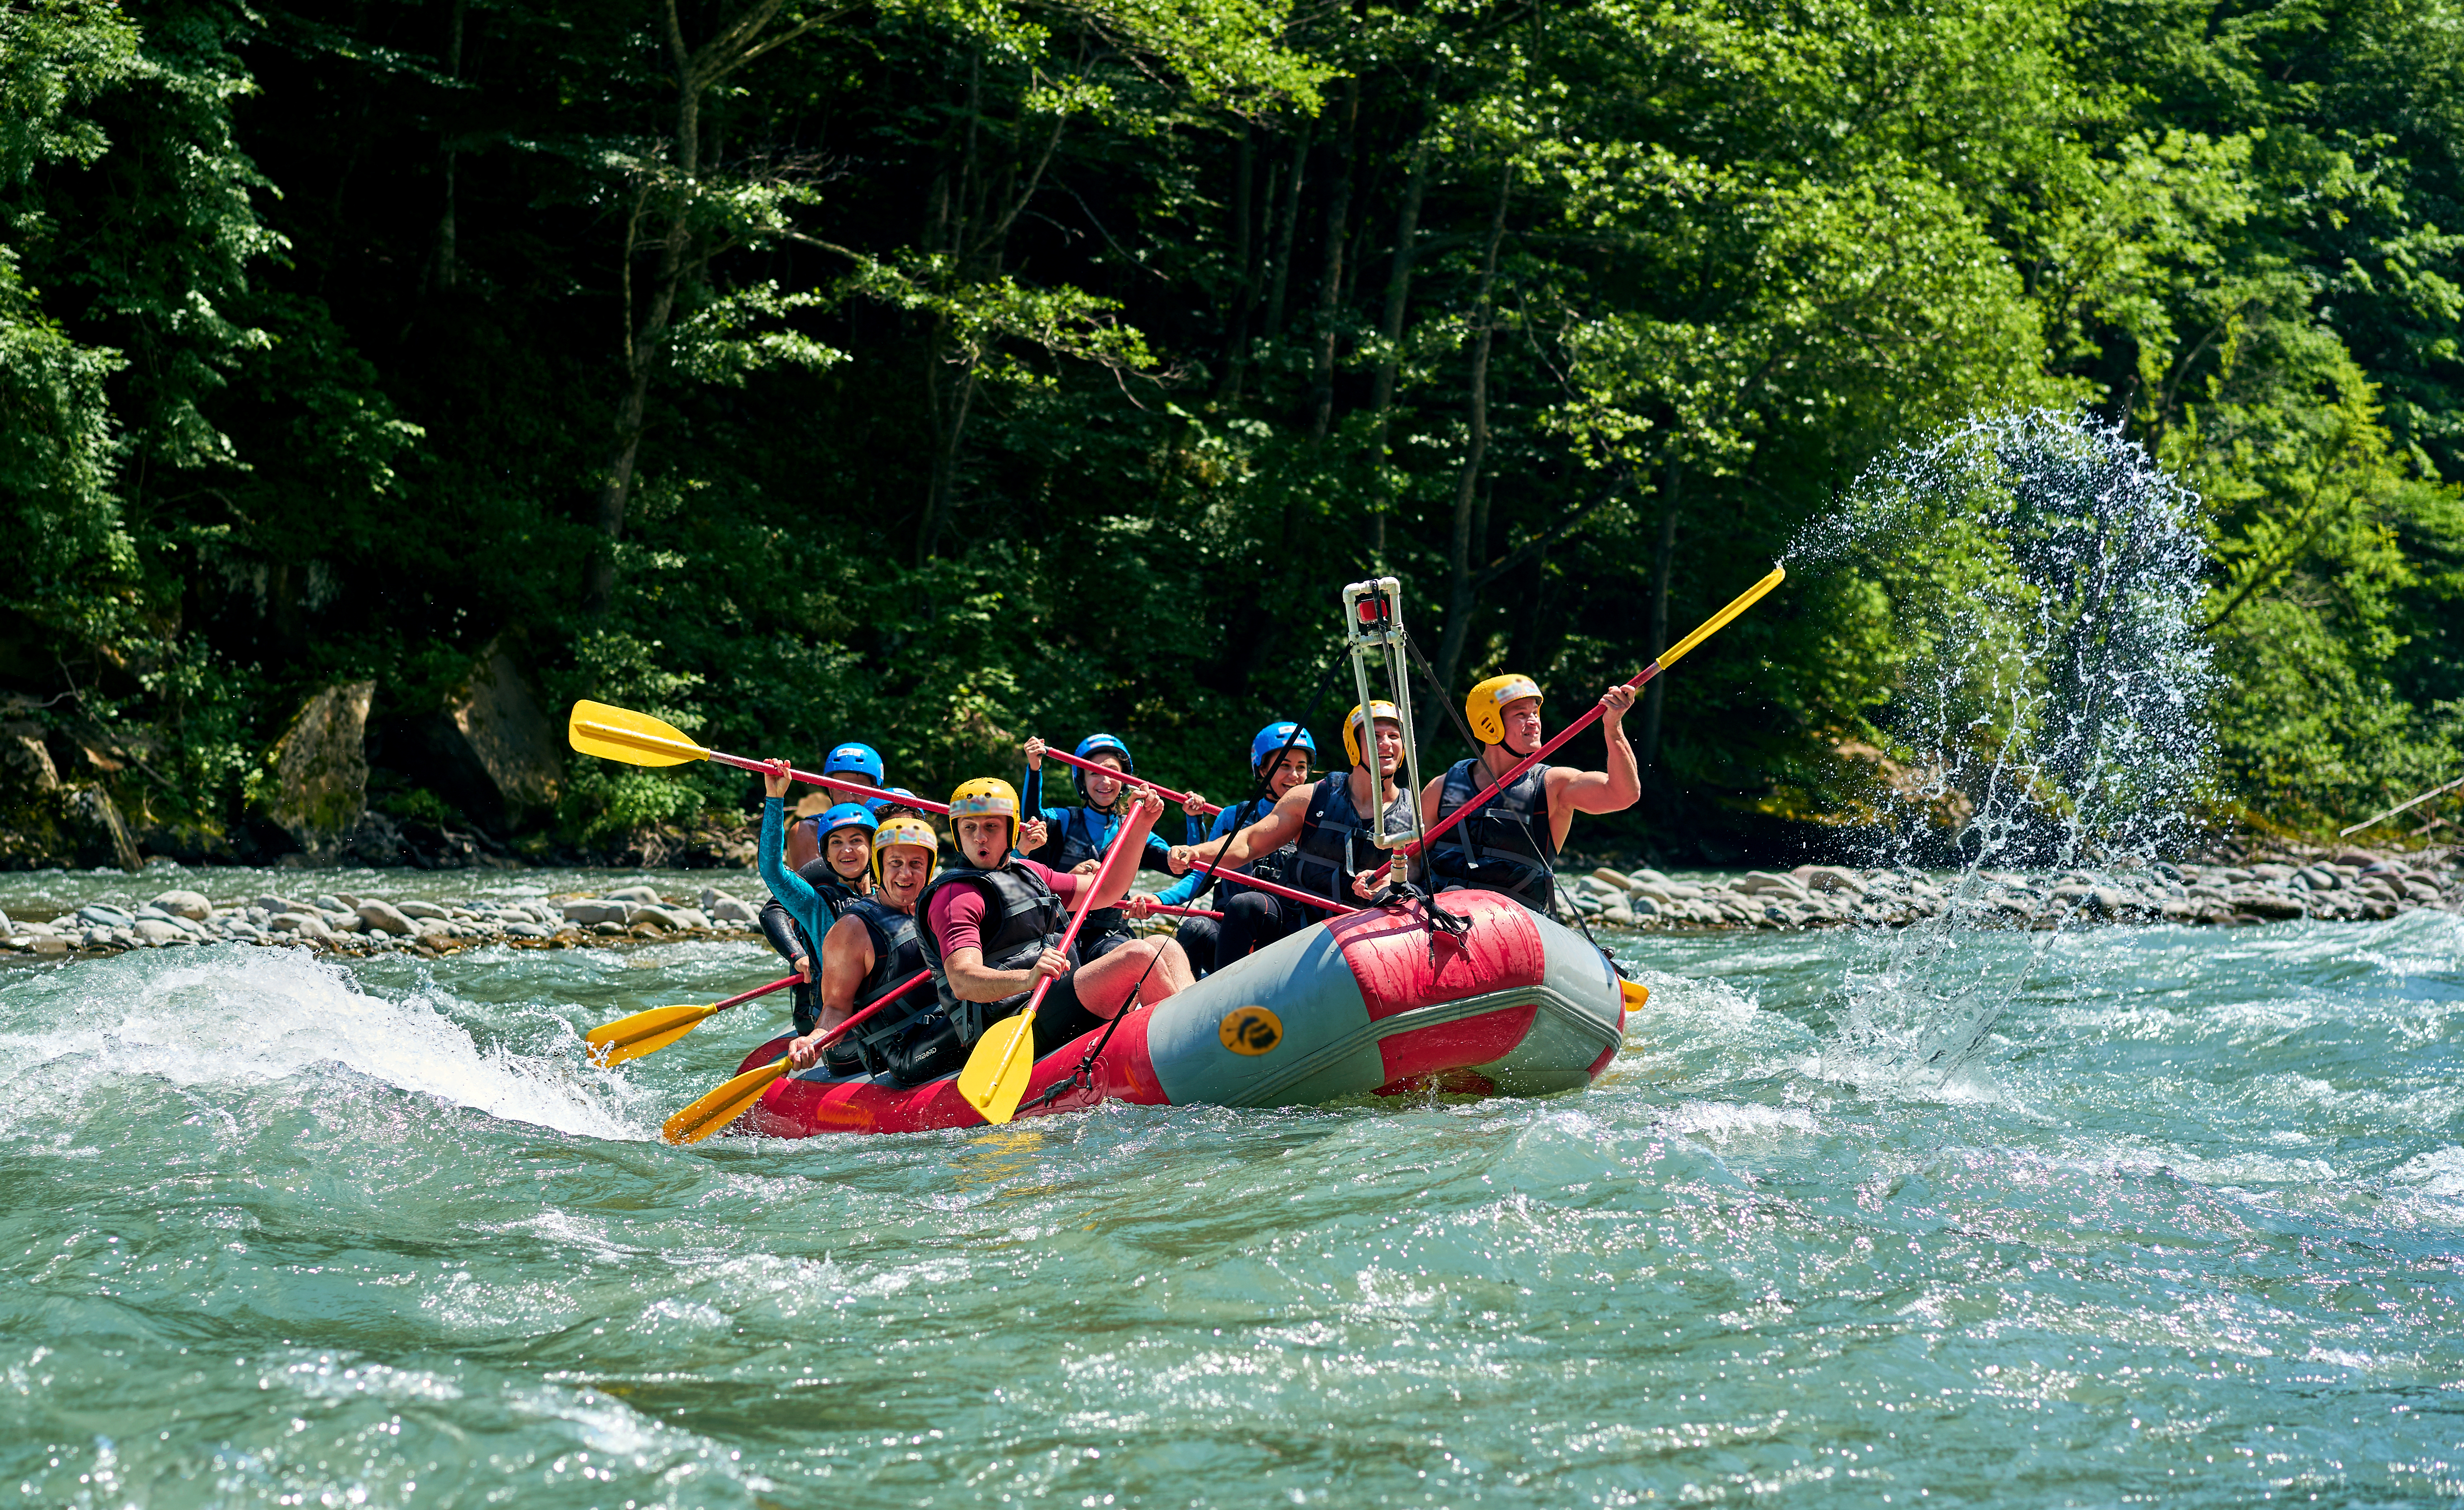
pixel 1368 1001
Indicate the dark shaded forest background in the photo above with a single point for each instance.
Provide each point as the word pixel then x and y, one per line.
pixel 937 373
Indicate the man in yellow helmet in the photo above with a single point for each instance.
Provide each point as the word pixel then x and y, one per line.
pixel 1323 819
pixel 1510 844
pixel 993 921
pixel 870 951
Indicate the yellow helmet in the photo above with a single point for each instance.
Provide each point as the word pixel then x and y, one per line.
pixel 905 830
pixel 1354 723
pixel 984 795
pixel 1485 708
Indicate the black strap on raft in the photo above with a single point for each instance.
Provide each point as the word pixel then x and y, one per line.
pixel 1085 1073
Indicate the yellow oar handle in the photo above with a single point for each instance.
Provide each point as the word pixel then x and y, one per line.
pixel 1719 621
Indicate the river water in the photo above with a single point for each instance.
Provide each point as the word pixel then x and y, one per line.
pixel 2189 1226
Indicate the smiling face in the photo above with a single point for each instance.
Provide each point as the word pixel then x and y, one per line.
pixel 983 838
pixel 1101 787
pixel 1291 771
pixel 850 851
pixel 1389 741
pixel 1522 720
pixel 904 870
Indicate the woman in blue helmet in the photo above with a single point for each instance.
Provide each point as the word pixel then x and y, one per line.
pixel 1080 836
pixel 1280 757
pixel 804 901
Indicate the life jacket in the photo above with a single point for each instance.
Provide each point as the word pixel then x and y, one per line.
pixel 1326 854
pixel 897 954
pixel 1505 845
pixel 1080 842
pixel 806 996
pixel 1022 918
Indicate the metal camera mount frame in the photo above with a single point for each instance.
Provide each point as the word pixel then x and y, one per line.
pixel 1373 625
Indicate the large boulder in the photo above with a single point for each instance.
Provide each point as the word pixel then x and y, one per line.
pixel 92 832
pixel 321 770
pixel 502 728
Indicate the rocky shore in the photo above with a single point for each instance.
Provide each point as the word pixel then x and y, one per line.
pixel 2348 888
pixel 353 924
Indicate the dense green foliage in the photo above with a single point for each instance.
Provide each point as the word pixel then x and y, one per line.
pixel 936 373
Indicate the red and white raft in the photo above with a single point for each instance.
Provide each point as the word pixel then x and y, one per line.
pixel 1368 1001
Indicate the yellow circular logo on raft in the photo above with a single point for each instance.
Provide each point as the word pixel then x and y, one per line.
pixel 1250 1030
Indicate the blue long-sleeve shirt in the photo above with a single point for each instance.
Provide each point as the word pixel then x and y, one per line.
pixel 794 893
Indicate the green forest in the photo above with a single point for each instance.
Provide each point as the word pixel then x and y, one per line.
pixel 939 372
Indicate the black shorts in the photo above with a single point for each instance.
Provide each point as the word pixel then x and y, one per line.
pixel 1062 1018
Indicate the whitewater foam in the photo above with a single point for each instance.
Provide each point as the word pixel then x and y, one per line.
pixel 238 1016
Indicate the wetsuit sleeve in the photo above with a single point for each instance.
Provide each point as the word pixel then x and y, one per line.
pixel 802 903
pixel 1030 789
pixel 1158 855
pixel 781 930
pixel 958 919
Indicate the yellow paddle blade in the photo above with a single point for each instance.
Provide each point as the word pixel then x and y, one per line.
pixel 643 1032
pixel 1719 621
pixel 723 1106
pixel 620 734
pixel 996 1071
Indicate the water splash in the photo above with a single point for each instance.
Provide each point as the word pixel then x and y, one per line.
pixel 2045 578
pixel 201 1020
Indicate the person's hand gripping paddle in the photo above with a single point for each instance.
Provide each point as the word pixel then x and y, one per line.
pixel 997 1072
pixel 729 1102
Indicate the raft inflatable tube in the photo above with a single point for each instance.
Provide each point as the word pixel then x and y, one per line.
pixel 1368 1001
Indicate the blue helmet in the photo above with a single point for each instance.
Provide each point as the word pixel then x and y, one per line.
pixel 1094 745
pixel 878 805
pixel 847 815
pixel 855 759
pixel 1272 739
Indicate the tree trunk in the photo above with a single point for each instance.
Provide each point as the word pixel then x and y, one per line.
pixel 1647 747
pixel 447 264
pixel 1390 330
pixel 1236 330
pixel 1289 216
pixel 1459 588
pixel 1330 296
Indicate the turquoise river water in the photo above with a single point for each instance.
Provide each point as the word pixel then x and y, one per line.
pixel 2188 1229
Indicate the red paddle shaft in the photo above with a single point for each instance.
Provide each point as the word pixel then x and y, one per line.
pixel 1164 911
pixel 780 984
pixel 851 788
pixel 1133 838
pixel 853 1023
pixel 1166 793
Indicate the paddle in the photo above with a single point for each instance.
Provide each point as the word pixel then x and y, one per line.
pixel 730 1101
pixel 1166 909
pixel 1164 792
pixel 618 733
pixel 649 1032
pixel 1667 658
pixel 997 1072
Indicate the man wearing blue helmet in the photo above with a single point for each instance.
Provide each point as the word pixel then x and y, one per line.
pixel 1279 755
pixel 1081 834
pixel 805 900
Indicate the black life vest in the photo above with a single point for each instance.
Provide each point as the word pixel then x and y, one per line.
pixel 897 954
pixel 1326 854
pixel 1080 842
pixel 1022 918
pixel 1505 845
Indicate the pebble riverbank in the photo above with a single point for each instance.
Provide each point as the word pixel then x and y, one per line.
pixel 355 925
pixel 2350 887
